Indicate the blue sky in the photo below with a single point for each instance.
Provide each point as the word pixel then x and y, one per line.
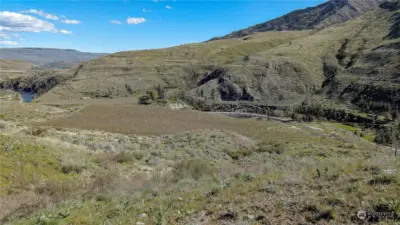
pixel 92 25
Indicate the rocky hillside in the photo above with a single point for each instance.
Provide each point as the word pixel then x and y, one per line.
pixel 326 14
pixel 355 64
pixel 48 57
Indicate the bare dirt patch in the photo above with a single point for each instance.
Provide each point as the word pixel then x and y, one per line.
pixel 152 120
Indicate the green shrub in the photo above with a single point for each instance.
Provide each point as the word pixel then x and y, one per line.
pixel 271 147
pixel 214 192
pixel 153 95
pixel 145 100
pixel 138 155
pixel 58 189
pixel 104 178
pixel 326 215
pixel 236 155
pixel 162 102
pixel 72 168
pixel 194 168
pixel 70 165
pixel 125 157
pixel 38 131
pixel 103 198
pixel 332 201
pixel 248 177
pixel 385 205
pixel 384 179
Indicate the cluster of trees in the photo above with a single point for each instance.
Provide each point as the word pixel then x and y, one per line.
pixel 158 95
pixel 390 135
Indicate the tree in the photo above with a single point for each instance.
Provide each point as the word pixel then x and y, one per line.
pixel 395 141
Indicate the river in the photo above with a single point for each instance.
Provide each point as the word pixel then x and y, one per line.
pixel 27 96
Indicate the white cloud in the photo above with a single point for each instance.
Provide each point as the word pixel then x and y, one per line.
pixel 146 10
pixel 16 36
pixel 168 7
pixel 132 20
pixel 115 22
pixel 16 22
pixel 65 32
pixel 41 13
pixel 67 21
pixel 11 43
pixel 4 36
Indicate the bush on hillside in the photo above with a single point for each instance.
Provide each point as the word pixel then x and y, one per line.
pixel 385 136
pixel 194 168
pixel 145 100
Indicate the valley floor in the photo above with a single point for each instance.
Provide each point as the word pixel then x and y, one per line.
pixel 120 163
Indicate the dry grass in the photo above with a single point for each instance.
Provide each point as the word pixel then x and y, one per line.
pixel 193 167
pixel 220 176
pixel 22 112
pixel 153 120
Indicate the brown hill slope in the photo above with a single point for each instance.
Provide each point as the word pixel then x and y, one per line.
pixel 16 65
pixel 14 68
pixel 326 14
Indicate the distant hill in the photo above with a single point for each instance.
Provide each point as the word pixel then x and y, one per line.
pixel 329 13
pixel 48 57
pixel 7 65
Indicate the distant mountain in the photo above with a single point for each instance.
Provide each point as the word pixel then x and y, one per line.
pixel 48 57
pixel 329 13
pixel 15 65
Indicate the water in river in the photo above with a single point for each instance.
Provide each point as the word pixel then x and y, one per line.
pixel 27 96
pixel 9 94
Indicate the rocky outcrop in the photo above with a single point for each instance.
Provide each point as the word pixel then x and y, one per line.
pixel 40 82
pixel 219 86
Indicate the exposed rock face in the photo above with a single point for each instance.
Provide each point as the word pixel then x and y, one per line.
pixel 40 82
pixel 229 91
pixel 218 85
pixel 217 73
pixel 329 13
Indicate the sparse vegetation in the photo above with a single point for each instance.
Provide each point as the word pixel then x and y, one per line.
pixel 271 147
pixel 193 168
pixel 107 161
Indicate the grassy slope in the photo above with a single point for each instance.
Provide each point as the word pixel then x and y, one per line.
pixel 215 168
pixel 231 171
pixel 275 67
pixel 326 14
pixel 15 65
pixel 12 68
pixel 310 173
pixel 141 70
